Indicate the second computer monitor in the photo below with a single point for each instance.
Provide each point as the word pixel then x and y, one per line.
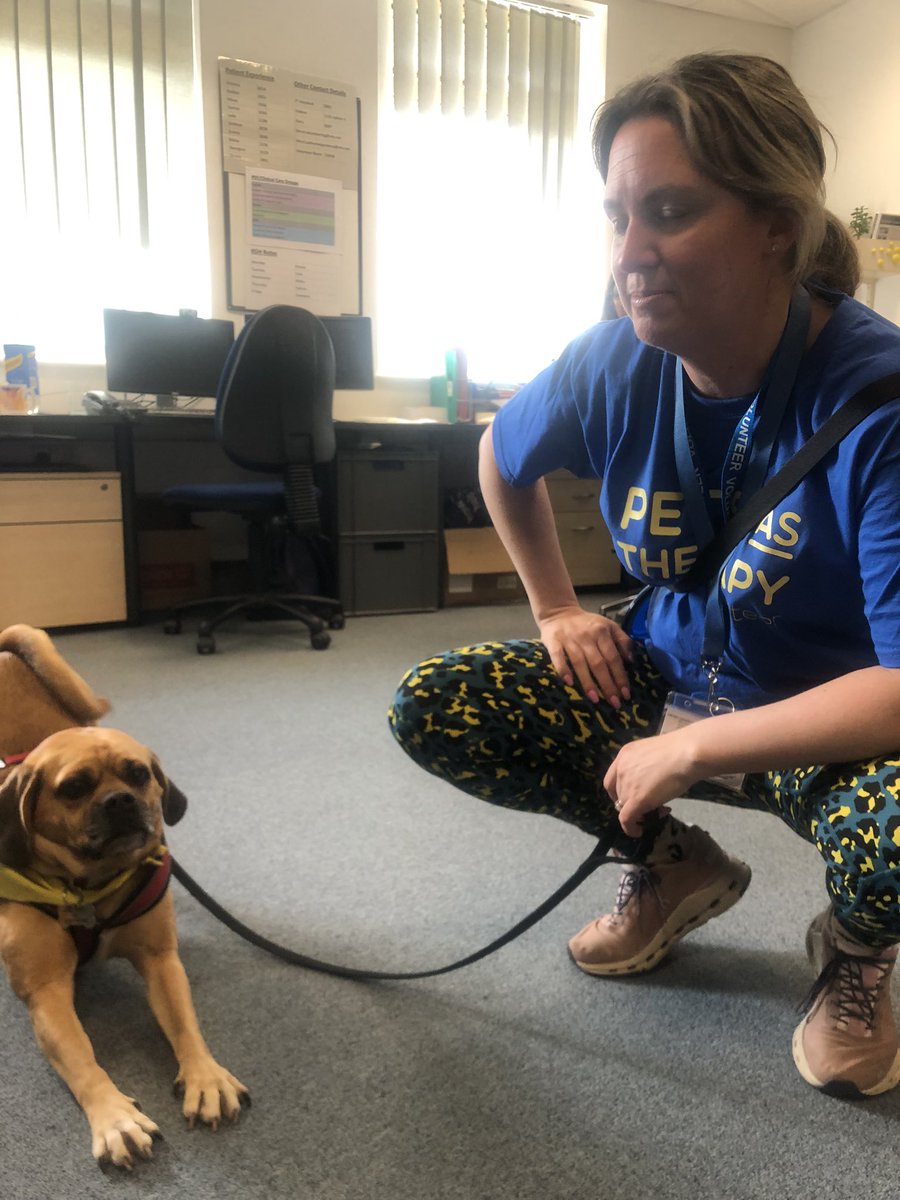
pixel 351 337
pixel 353 359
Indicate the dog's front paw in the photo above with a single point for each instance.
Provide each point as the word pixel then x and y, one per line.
pixel 119 1131
pixel 210 1093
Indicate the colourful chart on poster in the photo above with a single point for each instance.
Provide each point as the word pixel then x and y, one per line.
pixel 287 213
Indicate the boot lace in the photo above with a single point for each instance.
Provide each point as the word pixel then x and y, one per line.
pixel 852 996
pixel 631 884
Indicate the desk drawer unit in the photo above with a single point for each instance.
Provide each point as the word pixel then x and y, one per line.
pixel 389 573
pixel 583 536
pixel 62 548
pixel 383 491
pixel 388 516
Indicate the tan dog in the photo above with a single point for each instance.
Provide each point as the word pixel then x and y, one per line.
pixel 84 869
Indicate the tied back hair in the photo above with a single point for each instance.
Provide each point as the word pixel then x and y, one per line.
pixel 748 128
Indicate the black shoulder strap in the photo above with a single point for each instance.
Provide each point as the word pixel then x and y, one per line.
pixel 761 503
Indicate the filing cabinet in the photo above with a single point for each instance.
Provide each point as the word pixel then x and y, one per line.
pixel 62 549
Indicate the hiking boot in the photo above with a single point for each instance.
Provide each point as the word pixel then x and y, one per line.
pixel 685 880
pixel 846 1043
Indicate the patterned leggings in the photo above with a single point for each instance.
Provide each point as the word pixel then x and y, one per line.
pixel 497 721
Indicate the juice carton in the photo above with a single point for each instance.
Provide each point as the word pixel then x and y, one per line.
pixel 22 373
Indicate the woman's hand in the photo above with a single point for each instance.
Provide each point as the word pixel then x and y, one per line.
pixel 592 649
pixel 853 717
pixel 649 772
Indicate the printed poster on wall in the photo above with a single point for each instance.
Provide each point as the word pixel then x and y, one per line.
pixel 296 235
pixel 290 152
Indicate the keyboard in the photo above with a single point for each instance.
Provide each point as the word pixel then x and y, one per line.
pixel 174 412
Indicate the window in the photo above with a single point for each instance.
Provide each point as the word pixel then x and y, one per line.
pixel 490 228
pixel 103 197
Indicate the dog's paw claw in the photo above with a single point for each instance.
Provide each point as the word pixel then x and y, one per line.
pixel 121 1133
pixel 106 1163
pixel 210 1095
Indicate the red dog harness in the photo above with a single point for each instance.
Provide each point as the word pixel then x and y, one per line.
pixel 10 760
pixel 151 882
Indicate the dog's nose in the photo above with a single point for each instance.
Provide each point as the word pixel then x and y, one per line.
pixel 117 814
pixel 118 805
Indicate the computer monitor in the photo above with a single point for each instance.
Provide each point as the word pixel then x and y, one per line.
pixel 351 338
pixel 154 353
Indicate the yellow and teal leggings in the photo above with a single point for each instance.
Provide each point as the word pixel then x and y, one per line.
pixel 496 721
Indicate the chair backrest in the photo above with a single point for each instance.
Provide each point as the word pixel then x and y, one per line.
pixel 273 405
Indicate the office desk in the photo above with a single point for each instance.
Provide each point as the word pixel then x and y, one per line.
pixel 154 451
pixel 372 534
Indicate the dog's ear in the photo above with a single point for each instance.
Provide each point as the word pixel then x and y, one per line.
pixel 18 799
pixel 174 801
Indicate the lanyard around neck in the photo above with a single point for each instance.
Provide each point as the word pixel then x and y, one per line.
pixel 754 435
pixel 749 454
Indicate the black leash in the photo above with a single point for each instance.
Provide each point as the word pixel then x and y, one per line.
pixel 599 855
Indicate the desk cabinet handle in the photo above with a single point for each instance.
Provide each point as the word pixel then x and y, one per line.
pixel 388 545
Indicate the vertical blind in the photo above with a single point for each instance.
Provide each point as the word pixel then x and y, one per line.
pixel 102 157
pixel 489 219
pixel 492 59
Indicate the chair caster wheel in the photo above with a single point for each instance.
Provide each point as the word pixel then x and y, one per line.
pixel 337 621
pixel 320 640
pixel 206 643
pixel 172 625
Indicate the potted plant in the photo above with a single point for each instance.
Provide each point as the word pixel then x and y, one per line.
pixel 860 222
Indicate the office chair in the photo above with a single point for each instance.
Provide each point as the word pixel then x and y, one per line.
pixel 273 414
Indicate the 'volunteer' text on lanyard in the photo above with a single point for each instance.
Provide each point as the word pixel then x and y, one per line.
pixel 746 464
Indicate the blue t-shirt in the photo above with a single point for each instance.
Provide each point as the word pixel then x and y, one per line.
pixel 814 591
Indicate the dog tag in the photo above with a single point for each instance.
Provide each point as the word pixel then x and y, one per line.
pixel 681 710
pixel 78 914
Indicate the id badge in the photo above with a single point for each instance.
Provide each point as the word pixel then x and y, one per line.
pixel 681 710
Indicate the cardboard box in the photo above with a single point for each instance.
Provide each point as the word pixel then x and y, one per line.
pixel 479 571
pixel 173 567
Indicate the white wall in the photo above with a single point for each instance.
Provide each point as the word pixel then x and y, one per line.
pixel 846 64
pixel 644 36
pixel 339 39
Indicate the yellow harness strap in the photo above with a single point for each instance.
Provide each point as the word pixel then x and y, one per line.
pixel 28 887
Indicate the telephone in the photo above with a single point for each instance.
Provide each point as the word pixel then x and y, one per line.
pixel 104 403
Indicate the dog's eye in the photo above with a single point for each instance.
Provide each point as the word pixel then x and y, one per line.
pixel 136 774
pixel 76 787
